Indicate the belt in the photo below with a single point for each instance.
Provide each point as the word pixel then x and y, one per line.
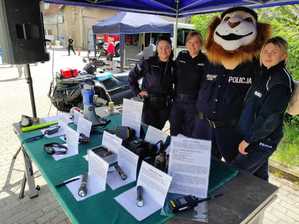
pixel 217 124
pixel 184 97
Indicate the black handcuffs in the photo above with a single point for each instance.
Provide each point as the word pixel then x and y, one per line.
pixel 55 148
pixel 52 130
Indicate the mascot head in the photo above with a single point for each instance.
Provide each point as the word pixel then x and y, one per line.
pixel 236 37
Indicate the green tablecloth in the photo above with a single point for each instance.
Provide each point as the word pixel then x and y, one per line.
pixel 101 208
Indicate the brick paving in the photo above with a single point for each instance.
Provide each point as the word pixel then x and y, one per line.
pixel 14 101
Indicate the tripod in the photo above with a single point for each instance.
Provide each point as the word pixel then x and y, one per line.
pixel 28 175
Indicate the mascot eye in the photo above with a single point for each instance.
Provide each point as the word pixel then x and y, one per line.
pixel 249 19
pixel 226 18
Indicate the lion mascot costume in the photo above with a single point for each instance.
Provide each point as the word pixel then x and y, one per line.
pixel 233 44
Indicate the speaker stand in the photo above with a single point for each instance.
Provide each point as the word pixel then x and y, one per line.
pixel 30 85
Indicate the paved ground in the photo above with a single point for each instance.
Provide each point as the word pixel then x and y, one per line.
pixel 14 101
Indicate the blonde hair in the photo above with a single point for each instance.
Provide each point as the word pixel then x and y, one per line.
pixel 279 42
pixel 193 34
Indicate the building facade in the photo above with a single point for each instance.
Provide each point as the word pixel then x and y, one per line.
pixel 62 22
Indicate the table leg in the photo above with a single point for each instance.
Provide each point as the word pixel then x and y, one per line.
pixel 33 190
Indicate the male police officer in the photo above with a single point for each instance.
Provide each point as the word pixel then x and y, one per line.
pixel 188 76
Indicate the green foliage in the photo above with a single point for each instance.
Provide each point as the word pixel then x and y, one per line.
pixel 201 22
pixel 288 151
pixel 285 23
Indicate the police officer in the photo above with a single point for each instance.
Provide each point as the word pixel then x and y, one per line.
pixel 261 121
pixel 188 76
pixel 219 105
pixel 157 84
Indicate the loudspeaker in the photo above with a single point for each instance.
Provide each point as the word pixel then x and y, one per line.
pixel 22 39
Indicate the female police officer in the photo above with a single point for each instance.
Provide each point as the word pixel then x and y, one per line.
pixel 188 75
pixel 157 84
pixel 262 117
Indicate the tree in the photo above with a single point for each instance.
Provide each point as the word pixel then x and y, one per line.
pixel 284 21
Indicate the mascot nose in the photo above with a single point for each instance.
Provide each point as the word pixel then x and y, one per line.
pixel 233 24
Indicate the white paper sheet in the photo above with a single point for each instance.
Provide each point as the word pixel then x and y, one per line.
pixel 84 126
pixel 60 132
pixel 97 167
pixel 72 142
pixel 189 166
pixel 111 142
pixel 131 115
pixel 128 201
pixel 77 115
pixel 65 117
pixel 97 175
pixel 127 160
pixel 154 135
pixel 93 187
pixel 155 185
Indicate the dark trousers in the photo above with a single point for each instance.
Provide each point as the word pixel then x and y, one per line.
pixel 225 141
pixel 256 161
pixel 69 48
pixel 182 117
pixel 201 129
pixel 155 115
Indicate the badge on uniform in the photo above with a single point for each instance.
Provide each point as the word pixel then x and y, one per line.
pixel 182 61
pixel 258 94
pixel 265 145
pixel 211 77
pixel 200 64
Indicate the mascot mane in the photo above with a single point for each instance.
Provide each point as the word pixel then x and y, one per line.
pixel 217 55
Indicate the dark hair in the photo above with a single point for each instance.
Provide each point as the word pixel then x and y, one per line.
pixel 278 41
pixel 193 34
pixel 239 8
pixel 167 39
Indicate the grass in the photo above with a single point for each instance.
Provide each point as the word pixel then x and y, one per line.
pixel 288 150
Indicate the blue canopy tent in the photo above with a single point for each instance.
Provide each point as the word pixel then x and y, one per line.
pixel 132 23
pixel 174 8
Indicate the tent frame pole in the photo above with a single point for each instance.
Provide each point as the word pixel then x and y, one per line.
pixel 175 32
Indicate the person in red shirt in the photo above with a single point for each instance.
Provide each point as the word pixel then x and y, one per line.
pixel 110 53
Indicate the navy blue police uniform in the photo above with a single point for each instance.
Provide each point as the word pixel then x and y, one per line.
pixel 158 82
pixel 261 121
pixel 188 76
pixel 219 105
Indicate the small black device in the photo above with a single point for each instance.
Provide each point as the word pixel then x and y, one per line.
pixel 33 139
pixel 125 133
pixel 55 148
pixel 139 199
pixel 120 171
pixel 183 203
pixel 188 202
pixel 52 130
pixel 83 139
pixel 161 157
pixel 105 154
pixel 82 192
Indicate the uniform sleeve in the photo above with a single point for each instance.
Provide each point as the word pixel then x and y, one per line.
pixel 135 75
pixel 269 118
